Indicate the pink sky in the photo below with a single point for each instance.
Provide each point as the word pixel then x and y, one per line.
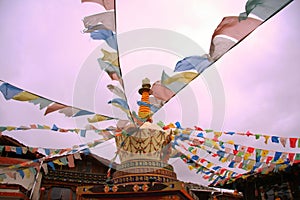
pixel 44 51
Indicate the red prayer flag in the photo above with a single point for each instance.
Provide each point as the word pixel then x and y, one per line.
pixel 54 107
pixel 7 148
pixel 250 150
pixel 222 170
pixel 240 165
pixel 293 142
pixel 33 126
pixel 291 157
pixel 198 128
pixel 233 27
pixel 230 31
pixel 269 158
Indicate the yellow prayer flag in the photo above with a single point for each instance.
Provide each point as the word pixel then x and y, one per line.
pixel 46 127
pixel 172 137
pixel 10 128
pixel 264 153
pixel 185 131
pixel 57 161
pixel 250 165
pixel 97 118
pixel 247 155
pixel 191 167
pixel 217 134
pixel 266 138
pixel 27 172
pixel 245 176
pixel 209 165
pixel 184 77
pixel 112 57
pixel 280 160
pixel 194 151
pixel 230 142
pixel 25 96
pixel 171 125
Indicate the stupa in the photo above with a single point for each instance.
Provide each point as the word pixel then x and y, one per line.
pixel 144 151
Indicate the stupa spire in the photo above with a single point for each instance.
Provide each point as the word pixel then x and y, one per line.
pixel 144 111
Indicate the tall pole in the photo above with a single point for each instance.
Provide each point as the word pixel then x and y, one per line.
pixel 35 180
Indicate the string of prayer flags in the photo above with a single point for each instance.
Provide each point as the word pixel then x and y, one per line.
pixel 274 139
pixel 50 159
pixel 102 132
pixel 51 154
pixel 102 26
pixel 230 32
pixel 259 153
pixel 247 158
pixel 12 92
pixel 211 171
pixel 17 150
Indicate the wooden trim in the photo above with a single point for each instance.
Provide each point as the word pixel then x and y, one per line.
pixel 14 194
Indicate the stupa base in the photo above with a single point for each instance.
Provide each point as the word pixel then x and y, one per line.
pixel 150 191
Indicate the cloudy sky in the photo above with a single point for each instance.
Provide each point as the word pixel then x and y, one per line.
pixel 253 87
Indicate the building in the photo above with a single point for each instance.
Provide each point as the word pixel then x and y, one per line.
pixel 283 184
pixel 62 182
pixel 16 183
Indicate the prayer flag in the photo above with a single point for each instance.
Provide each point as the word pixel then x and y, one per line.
pixel 9 91
pixel 263 9
pixel 297 158
pixel 198 63
pixel 111 57
pixel 228 33
pixel 105 18
pixel 277 156
pixel 54 107
pixel 25 96
pixel 275 139
pixel 71 161
pixel 107 35
pixel 293 142
pixel 161 92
